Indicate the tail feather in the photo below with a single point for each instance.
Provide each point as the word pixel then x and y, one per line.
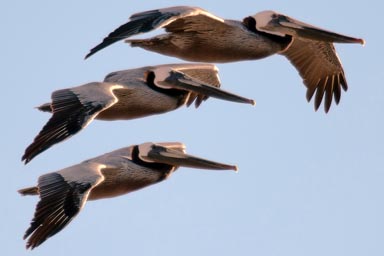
pixel 45 107
pixel 31 191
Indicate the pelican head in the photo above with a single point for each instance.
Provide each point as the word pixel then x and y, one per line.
pixel 266 22
pixel 174 154
pixel 278 24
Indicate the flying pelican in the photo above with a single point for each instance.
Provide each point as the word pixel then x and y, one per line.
pixel 194 34
pixel 64 193
pixel 126 95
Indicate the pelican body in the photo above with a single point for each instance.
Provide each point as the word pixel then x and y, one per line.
pixel 64 193
pixel 194 34
pixel 125 95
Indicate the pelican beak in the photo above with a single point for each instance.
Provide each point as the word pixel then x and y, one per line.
pixel 182 81
pixel 175 157
pixel 301 29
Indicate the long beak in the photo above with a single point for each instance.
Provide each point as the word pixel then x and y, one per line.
pixel 182 81
pixel 178 158
pixel 311 32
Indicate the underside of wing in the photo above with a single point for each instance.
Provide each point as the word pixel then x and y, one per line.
pixel 321 70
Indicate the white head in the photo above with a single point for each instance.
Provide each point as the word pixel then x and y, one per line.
pixel 145 149
pixel 279 24
pixel 266 21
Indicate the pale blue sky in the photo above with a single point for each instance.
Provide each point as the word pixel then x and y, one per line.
pixel 308 184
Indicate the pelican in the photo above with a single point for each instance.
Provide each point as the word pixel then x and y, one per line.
pixel 64 193
pixel 126 95
pixel 194 34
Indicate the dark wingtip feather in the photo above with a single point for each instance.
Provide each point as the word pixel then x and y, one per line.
pixel 69 117
pixel 59 203
pixel 319 94
pixel 337 90
pixel 25 159
pixel 343 82
pixel 139 23
pixel 310 92
pixel 326 108
pixel 329 88
pixel 119 34
pixel 106 42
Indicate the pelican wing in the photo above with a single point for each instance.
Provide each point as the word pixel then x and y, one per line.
pixel 72 110
pixel 207 73
pixel 185 18
pixel 321 69
pixel 201 80
pixel 62 196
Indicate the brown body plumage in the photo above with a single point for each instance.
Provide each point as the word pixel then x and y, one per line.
pixel 194 34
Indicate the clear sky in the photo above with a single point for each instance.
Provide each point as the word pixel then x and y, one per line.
pixel 309 183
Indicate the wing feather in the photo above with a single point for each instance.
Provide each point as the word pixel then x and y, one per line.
pixel 61 199
pixel 72 110
pixel 321 69
pixel 150 20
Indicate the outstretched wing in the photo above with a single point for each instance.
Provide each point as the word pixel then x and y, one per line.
pixel 73 109
pixel 150 20
pixel 319 66
pixel 62 196
pixel 201 80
